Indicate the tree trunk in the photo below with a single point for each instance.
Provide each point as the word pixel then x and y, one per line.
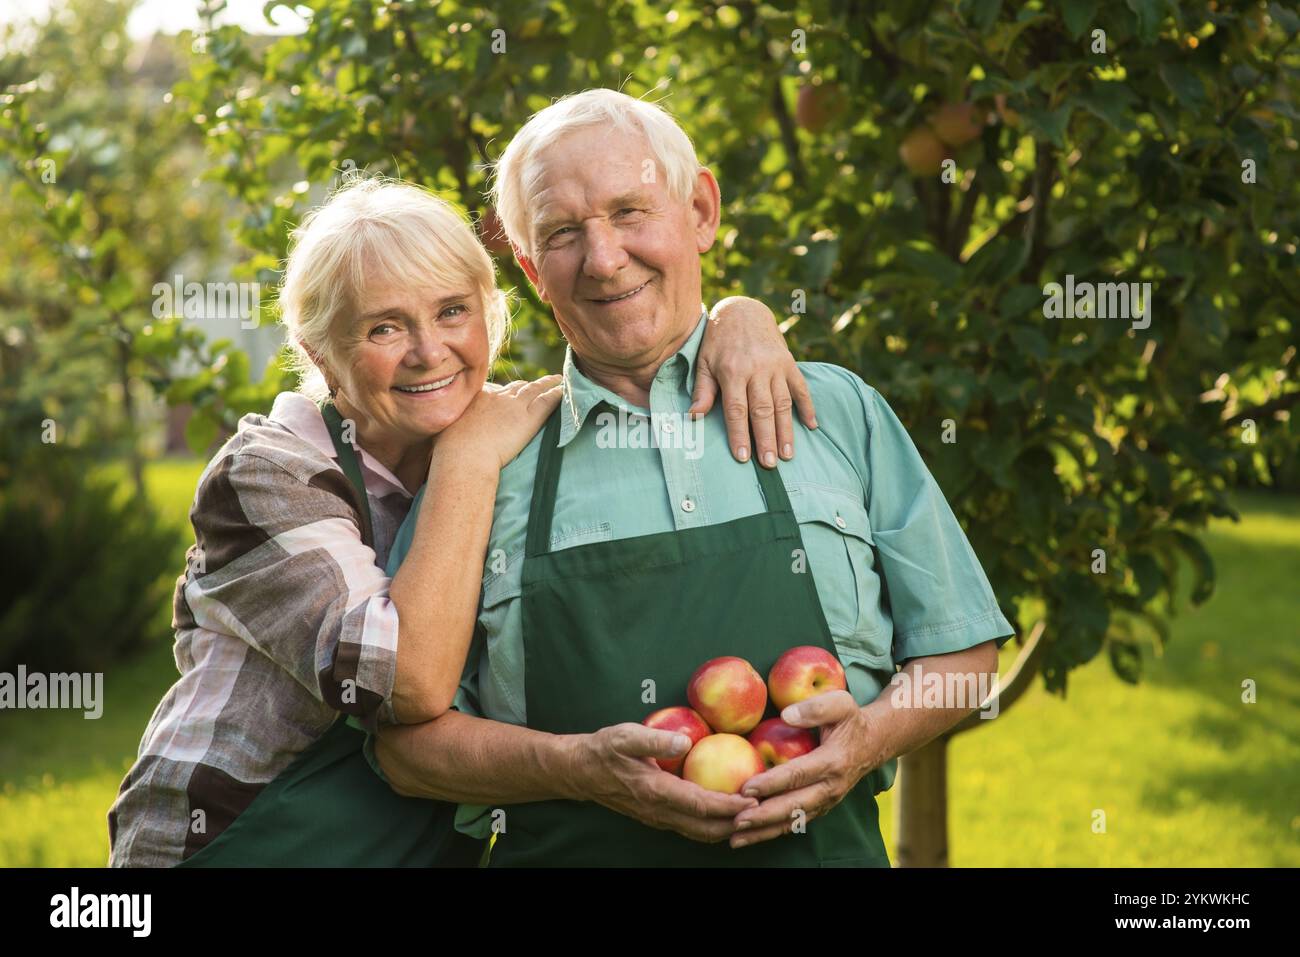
pixel 922 820
pixel 922 783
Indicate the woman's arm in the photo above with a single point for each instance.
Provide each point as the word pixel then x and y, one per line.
pixel 436 589
pixel 744 355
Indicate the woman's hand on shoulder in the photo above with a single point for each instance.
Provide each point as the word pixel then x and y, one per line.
pixel 500 421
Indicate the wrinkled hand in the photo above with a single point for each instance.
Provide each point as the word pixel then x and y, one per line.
pixel 744 355
pixel 500 421
pixel 619 772
pixel 817 781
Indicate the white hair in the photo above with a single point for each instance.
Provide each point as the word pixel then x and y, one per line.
pixel 376 224
pixel 668 142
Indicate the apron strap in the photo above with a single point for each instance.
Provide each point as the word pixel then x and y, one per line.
pixel 547 481
pixel 350 464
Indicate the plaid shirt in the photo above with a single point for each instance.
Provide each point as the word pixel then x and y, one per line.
pixel 280 604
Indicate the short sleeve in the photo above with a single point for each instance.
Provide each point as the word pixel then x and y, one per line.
pixel 279 563
pixel 939 598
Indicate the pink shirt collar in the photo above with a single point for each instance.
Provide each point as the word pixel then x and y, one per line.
pixel 302 417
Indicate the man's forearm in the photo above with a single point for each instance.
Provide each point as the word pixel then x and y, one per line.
pixel 469 760
pixel 901 728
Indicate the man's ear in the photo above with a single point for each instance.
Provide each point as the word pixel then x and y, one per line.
pixel 530 270
pixel 706 207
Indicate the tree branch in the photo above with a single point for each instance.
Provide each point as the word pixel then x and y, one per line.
pixel 1265 409
pixel 1017 682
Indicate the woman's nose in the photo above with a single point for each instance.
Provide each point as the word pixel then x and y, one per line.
pixel 427 348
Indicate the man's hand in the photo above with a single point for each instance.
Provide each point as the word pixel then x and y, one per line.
pixel 817 781
pixel 744 355
pixel 615 767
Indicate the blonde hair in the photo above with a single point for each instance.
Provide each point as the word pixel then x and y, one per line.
pixel 417 238
pixel 668 142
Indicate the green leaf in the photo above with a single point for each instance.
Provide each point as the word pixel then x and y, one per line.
pixel 1112 103
pixel 200 431
pixel 1078 16
pixel 924 258
pixel 1125 659
pixel 1051 124
pixel 1149 14
pixel 1185 85
pixel 1202 565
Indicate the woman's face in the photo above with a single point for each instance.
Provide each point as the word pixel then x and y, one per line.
pixel 402 338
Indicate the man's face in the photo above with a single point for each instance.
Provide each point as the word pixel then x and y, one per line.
pixel 617 258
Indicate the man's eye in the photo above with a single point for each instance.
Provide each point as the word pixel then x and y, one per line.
pixel 453 312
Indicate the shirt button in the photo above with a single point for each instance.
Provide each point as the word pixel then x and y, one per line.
pixel 688 505
pixel 839 520
pixel 668 425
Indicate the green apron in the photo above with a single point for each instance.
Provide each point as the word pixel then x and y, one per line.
pixel 601 619
pixel 329 808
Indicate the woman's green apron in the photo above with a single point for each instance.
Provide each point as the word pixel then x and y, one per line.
pixel 605 622
pixel 329 808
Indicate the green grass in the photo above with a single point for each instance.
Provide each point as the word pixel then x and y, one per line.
pixel 1186 774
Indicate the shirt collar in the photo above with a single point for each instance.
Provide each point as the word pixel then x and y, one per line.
pixel 581 394
pixel 301 416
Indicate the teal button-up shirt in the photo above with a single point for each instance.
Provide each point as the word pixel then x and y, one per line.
pixel 895 574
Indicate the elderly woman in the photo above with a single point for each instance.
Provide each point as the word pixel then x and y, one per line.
pixel 290 639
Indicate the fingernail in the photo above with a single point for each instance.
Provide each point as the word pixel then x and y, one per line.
pixel 681 742
pixel 742 453
pixel 743 824
pixel 749 793
pixel 791 714
pixel 741 842
pixel 813 425
pixel 787 450
pixel 769 459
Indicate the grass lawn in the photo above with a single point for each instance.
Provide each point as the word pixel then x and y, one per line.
pixel 1186 774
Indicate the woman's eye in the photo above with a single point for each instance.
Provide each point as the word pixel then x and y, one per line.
pixel 383 328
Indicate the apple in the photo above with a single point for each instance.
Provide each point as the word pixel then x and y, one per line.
pixel 778 742
pixel 957 123
pixel 723 762
pixel 729 694
pixel 817 105
pixel 492 235
pixel 922 152
pixel 683 721
pixel 802 673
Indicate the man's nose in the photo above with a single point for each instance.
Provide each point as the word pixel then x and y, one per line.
pixel 605 253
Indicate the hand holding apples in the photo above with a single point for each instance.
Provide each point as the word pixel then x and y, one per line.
pixel 616 767
pixel 817 781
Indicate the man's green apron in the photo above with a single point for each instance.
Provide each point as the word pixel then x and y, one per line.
pixel 329 808
pixel 601 621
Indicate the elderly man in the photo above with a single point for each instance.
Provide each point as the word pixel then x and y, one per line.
pixel 617 565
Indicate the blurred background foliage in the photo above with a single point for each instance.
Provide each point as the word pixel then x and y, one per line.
pixel 124 163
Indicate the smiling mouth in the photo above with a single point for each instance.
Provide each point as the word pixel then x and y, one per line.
pixel 436 385
pixel 622 296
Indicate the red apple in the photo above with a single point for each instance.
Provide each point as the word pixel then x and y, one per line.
pixel 491 233
pixel 729 694
pixel 723 762
pixel 957 123
pixel 922 152
pixel 683 721
pixel 818 105
pixel 779 742
pixel 802 673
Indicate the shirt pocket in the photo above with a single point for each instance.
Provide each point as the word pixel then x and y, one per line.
pixel 840 548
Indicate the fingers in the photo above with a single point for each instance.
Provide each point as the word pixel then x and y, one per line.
pixel 761 420
pixel 735 411
pixel 637 741
pixel 706 392
pixel 698 802
pixel 780 815
pixel 798 388
pixel 829 707
pixel 781 407
pixel 794 774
